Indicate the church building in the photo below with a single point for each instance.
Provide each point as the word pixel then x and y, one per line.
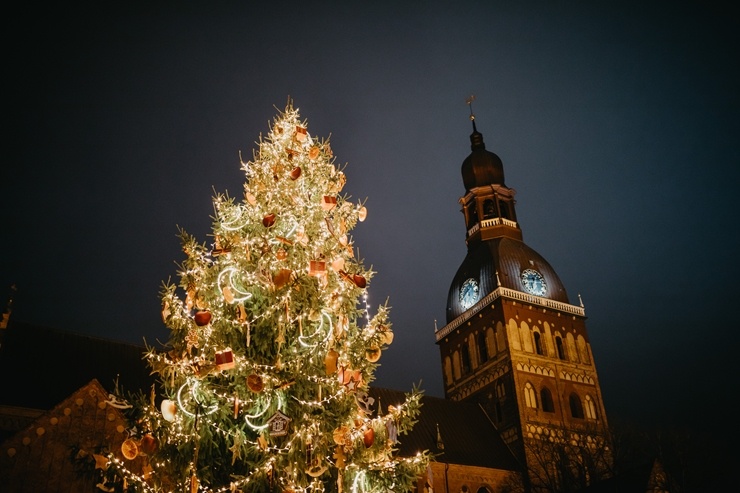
pixel 515 344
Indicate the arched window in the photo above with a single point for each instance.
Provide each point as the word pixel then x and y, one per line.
pixel 473 214
pixel 484 489
pixel 529 396
pixel 546 398
pixel 559 347
pixel 500 396
pixel 456 365
pixel 576 408
pixel 465 354
pixel 583 350
pixel 448 370
pixel 489 209
pixel 482 347
pixel 504 209
pixel 537 342
pixel 590 408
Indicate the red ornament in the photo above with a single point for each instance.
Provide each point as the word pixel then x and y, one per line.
pixel 295 173
pixel 202 318
pixel 369 437
pixel 148 444
pixel 268 220
pixel 359 281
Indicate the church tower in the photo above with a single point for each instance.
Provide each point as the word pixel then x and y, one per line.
pixel 514 342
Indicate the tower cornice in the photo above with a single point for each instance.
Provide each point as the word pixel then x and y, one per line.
pixel 510 294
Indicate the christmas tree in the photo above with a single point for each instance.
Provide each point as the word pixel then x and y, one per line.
pixel 264 380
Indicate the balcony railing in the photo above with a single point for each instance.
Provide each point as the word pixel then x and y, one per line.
pixel 487 223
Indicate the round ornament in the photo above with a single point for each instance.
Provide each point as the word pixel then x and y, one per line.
pixel 362 213
pixel 268 220
pixel 295 173
pixel 254 382
pixel 202 318
pixel 129 449
pixel 372 354
pixel 359 281
pixel 169 409
pixel 148 444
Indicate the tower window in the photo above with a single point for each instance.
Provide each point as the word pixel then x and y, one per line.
pixel 529 396
pixel 590 408
pixel 482 347
pixel 559 346
pixel 576 408
pixel 465 353
pixel 489 209
pixel 546 398
pixel 473 214
pixel 504 210
pixel 537 342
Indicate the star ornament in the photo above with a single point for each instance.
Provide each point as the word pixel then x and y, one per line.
pixel 101 461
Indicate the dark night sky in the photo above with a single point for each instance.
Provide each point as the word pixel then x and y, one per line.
pixel 617 123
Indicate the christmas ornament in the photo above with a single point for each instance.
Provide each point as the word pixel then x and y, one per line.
pixel 368 438
pixel 281 278
pixel 313 153
pixel 359 281
pixel 101 461
pixel 165 311
pixel 386 335
pixel 328 203
pixel 330 361
pixel 268 220
pixel 278 424
pixel 317 268
pixel 338 264
pixel 225 359
pixel 129 449
pixel 301 134
pixel 148 444
pixel 316 469
pixel 372 354
pixel 364 402
pixel 228 294
pixel 295 173
pixel 281 254
pixel 202 317
pixel 362 214
pixel 169 409
pixel 254 382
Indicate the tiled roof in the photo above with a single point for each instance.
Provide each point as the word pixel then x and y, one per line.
pixel 467 435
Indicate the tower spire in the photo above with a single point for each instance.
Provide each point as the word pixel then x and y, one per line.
pixel 469 102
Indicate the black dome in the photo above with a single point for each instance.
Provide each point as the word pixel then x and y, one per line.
pixel 509 257
pixel 481 167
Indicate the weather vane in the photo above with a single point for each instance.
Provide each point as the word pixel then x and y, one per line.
pixel 469 102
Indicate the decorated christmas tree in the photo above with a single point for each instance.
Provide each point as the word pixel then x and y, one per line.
pixel 264 380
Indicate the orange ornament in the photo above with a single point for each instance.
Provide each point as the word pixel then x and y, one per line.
pixel 129 449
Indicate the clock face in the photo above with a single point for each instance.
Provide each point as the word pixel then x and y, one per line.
pixel 469 293
pixel 533 282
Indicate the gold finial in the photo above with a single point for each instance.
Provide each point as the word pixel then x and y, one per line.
pixel 469 102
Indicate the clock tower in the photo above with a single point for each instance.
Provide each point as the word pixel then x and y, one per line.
pixel 513 342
